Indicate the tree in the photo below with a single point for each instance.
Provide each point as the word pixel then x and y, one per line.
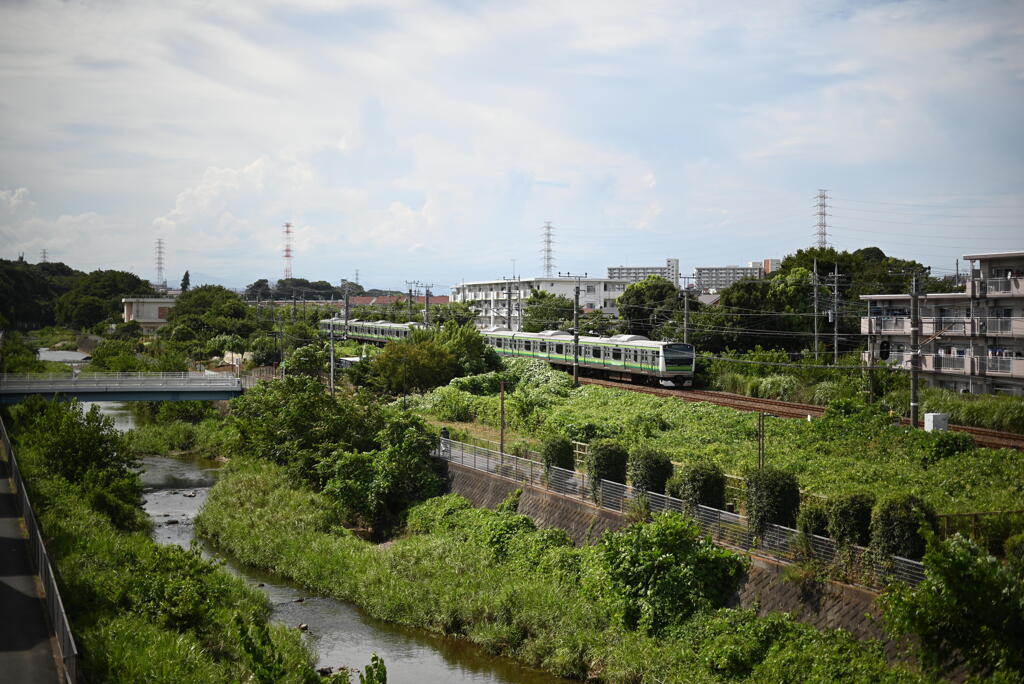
pixel 96 297
pixel 258 290
pixel 460 312
pixel 409 366
pixel 211 310
pixel 546 311
pixel 185 282
pixel 969 609
pixel 599 324
pixel 648 304
pixel 310 359
pixel 661 573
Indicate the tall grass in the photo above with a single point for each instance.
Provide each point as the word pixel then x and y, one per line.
pixel 550 613
pixel 147 613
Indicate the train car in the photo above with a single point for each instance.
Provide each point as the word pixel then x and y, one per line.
pixel 633 356
pixel 378 332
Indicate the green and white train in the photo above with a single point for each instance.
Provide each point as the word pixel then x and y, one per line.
pixel 635 356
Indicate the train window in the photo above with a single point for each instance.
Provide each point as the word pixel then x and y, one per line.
pixel 616 354
pixel 595 351
pixel 558 349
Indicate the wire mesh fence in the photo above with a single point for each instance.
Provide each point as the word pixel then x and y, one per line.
pixel 724 527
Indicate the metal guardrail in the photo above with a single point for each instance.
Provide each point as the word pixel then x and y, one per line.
pixel 80 380
pixel 40 560
pixel 728 529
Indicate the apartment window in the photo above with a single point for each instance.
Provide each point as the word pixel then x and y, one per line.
pixel 591 289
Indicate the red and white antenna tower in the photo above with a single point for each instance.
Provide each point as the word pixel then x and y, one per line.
pixel 287 250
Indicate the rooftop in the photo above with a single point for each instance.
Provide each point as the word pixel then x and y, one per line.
pixel 994 255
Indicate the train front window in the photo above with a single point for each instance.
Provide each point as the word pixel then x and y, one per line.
pixel 678 354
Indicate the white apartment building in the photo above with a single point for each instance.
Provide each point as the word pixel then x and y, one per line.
pixel 634 274
pixel 970 341
pixel 150 312
pixel 720 277
pixel 490 298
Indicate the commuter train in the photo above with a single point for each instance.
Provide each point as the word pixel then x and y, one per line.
pixel 633 356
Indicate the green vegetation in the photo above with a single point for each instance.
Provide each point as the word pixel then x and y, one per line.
pixel 371 462
pixel 141 612
pixel 545 311
pixel 29 292
pixel 493 578
pixel 428 358
pixel 698 484
pixel 95 298
pixel 851 450
pixel 969 610
pixel 773 496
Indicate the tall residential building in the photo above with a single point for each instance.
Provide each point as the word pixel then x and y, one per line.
pixel 720 277
pixel 490 298
pixel 635 274
pixel 970 341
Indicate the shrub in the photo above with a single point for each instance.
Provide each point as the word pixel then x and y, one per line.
pixel 896 524
pixel 1013 548
pixel 849 519
pixel 556 451
pixel 773 496
pixel 780 387
pixel 439 513
pixel 813 519
pixel 969 609
pixel 606 460
pixel 947 444
pixel 699 483
pixel 649 469
pixel 663 572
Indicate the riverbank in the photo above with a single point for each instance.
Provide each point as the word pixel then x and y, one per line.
pixel 139 611
pixel 532 597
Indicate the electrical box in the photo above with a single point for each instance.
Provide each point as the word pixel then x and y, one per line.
pixel 936 422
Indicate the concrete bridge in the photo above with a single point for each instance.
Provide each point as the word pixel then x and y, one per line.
pixel 14 387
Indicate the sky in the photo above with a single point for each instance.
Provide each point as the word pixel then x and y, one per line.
pixel 425 141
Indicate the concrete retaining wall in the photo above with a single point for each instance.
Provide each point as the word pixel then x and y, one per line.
pixel 822 604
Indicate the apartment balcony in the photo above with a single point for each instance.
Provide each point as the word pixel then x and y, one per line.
pixel 885 325
pixel 940 363
pixel 946 326
pixel 996 287
pixel 1000 327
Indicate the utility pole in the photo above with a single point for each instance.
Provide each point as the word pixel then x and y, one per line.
pixel 508 300
pixel 501 444
pixel 575 328
pixel 915 349
pixel 332 356
pixel 410 284
pixel 686 317
pixel 814 285
pixel 835 318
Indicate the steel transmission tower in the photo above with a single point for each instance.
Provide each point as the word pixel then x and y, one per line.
pixel 160 282
pixel 822 219
pixel 548 260
pixel 287 250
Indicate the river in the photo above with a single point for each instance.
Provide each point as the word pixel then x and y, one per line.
pixel 339 633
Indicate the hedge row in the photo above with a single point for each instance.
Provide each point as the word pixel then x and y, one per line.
pixel 890 527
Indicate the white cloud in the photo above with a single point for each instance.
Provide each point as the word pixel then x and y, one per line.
pixel 421 139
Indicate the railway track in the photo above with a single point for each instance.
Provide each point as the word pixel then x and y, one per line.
pixel 786 409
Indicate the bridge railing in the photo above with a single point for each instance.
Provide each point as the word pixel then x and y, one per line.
pixel 724 527
pixel 40 560
pixel 32 380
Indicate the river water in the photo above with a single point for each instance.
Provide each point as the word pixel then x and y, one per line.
pixel 339 633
